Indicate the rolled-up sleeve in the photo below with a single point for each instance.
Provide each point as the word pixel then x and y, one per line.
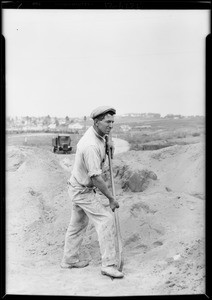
pixel 92 161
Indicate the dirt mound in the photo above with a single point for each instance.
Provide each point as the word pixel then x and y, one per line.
pixel 138 181
pixel 37 202
pixel 133 180
pixel 15 158
pixel 158 213
pixel 177 168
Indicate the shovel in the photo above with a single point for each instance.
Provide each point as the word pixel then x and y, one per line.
pixel 117 225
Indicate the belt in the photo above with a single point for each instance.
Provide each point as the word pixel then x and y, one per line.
pixel 85 187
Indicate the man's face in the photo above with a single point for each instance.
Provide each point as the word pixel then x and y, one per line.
pixel 106 124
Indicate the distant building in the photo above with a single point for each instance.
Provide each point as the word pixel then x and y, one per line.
pixel 52 126
pixel 175 117
pixel 30 128
pixel 75 126
pixel 125 128
pixel 62 121
pixel 39 128
pixel 143 115
pixel 153 115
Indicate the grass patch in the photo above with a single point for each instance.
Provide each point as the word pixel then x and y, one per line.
pixel 162 133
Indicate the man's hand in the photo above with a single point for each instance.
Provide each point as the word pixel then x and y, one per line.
pixel 114 204
pixel 110 145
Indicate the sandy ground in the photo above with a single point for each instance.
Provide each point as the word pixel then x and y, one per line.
pixel 162 226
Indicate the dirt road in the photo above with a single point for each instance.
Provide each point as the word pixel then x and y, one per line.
pixel 162 226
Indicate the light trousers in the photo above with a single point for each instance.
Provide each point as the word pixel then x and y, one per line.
pixel 85 206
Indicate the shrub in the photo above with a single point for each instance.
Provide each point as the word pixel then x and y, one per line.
pixel 196 134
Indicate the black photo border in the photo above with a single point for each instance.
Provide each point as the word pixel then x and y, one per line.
pixel 98 4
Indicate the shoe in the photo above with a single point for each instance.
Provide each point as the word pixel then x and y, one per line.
pixel 112 272
pixel 79 264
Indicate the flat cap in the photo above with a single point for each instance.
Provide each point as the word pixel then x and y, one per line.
pixel 102 110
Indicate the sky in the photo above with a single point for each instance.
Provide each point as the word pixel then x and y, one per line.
pixel 68 62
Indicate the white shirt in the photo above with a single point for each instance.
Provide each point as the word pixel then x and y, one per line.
pixel 89 159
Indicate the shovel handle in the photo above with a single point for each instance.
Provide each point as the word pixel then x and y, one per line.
pixel 110 167
pixel 119 243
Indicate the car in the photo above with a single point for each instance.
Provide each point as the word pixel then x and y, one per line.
pixel 62 144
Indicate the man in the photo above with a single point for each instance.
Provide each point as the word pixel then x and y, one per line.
pixel 85 178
